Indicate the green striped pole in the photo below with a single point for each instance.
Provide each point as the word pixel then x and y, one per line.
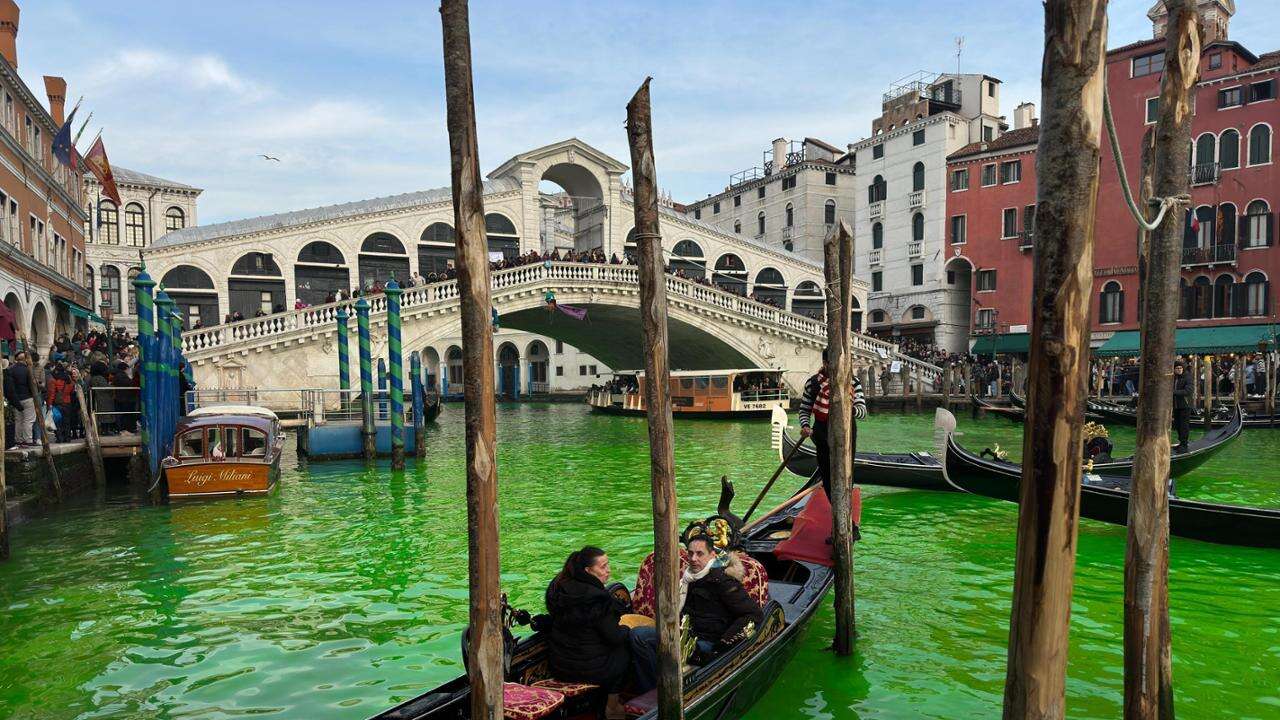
pixel 176 367
pixel 142 285
pixel 164 394
pixel 344 355
pixel 397 374
pixel 418 395
pixel 369 432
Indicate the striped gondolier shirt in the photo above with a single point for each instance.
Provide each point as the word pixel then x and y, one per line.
pixel 816 401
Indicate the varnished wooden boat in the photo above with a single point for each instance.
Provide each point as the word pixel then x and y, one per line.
pixel 723 688
pixel 1106 498
pixel 224 450
pixel 923 471
pixel 1126 414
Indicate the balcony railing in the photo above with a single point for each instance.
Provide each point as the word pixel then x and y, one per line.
pixel 1224 254
pixel 877 209
pixel 874 256
pixel 1026 239
pixel 1205 174
pixel 916 199
pixel 915 248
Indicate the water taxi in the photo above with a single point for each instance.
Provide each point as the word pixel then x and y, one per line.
pixel 697 393
pixel 225 450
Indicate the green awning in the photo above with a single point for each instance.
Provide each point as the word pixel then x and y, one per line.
pixel 1197 341
pixel 80 311
pixel 1002 343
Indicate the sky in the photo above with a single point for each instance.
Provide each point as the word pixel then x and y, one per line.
pixel 349 95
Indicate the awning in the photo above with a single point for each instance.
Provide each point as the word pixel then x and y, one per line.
pixel 1002 343
pixel 80 311
pixel 8 324
pixel 1198 340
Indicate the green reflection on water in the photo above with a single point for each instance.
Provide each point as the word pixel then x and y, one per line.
pixel 346 590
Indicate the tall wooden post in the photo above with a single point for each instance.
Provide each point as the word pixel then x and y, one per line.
pixel 92 442
pixel 484 667
pixel 1210 383
pixel 1072 79
pixel 1270 388
pixel 1148 677
pixel 55 478
pixel 1195 381
pixel 4 492
pixel 838 271
pixel 919 390
pixel 946 387
pixel 657 398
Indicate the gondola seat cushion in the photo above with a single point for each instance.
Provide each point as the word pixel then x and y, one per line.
pixel 566 688
pixel 755 579
pixel 641 704
pixel 525 702
pixel 644 597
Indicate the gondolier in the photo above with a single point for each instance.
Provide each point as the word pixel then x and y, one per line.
pixel 814 406
pixel 1181 405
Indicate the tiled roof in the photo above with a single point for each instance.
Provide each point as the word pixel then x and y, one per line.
pixel 1011 139
pixel 1266 60
pixel 133 177
pixel 1134 45
pixel 280 221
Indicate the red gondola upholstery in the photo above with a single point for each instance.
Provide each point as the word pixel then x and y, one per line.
pixel 525 702
pixel 568 689
pixel 755 580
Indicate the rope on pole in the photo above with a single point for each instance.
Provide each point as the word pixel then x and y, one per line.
pixel 1165 203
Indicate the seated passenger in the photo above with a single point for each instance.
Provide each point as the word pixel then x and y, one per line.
pixel 586 642
pixel 719 608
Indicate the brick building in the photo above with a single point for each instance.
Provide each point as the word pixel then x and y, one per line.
pixel 1229 254
pixel 42 215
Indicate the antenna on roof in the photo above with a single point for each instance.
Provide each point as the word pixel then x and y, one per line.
pixel 959 49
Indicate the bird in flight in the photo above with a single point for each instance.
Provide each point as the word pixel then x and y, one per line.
pixel 268 157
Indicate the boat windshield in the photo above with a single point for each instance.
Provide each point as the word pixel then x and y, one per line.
pixel 191 445
pixel 255 443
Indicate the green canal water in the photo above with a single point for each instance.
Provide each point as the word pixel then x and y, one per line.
pixel 345 591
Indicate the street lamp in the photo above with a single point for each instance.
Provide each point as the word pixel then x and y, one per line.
pixel 108 310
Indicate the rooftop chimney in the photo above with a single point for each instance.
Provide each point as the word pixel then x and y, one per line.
pixel 56 88
pixel 779 154
pixel 9 31
pixel 1024 116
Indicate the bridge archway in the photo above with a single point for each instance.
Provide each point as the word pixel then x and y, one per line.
pixel 731 274
pixel 431 367
pixel 770 288
pixel 192 290
pixel 688 258
pixel 538 358
pixel 382 257
pixel 577 208
pixel 320 272
pixel 437 249
pixel 451 377
pixel 808 300
pixel 508 371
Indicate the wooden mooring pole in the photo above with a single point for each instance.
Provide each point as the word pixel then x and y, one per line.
pixel 93 444
pixel 1209 382
pixel 1072 80
pixel 657 397
pixel 838 271
pixel 485 661
pixel 55 478
pixel 1148 673
pixel 4 490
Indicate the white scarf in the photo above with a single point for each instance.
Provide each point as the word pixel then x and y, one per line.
pixel 689 577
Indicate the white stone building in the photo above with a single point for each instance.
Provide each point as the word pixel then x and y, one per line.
pixel 116 235
pixel 901 216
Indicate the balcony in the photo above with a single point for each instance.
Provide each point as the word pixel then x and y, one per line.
pixel 876 209
pixel 1026 239
pixel 1205 174
pixel 788 233
pixel 916 199
pixel 1224 254
pixel 915 248
pixel 874 256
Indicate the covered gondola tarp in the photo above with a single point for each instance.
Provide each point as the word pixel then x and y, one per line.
pixel 1197 341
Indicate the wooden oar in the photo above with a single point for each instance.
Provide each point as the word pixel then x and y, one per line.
pixel 769 485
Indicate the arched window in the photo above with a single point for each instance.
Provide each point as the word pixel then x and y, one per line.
pixel 917 227
pixel 383 244
pixel 1202 294
pixel 501 234
pixel 256 285
pixel 770 288
pixel 128 290
pixel 829 212
pixel 111 286
pixel 439 232
pixel 453 366
pixel 1257 294
pixel 108 223
pixel 1111 303
pixel 731 274
pixel 1205 152
pixel 437 249
pixel 1260 145
pixel 321 252
pixel 1229 150
pixel 877 190
pixel 917 177
pixel 808 300
pixel 1227 223
pixel 320 272
pixel 382 257
pixel 760 223
pixel 256 264
pixel 1205 220
pixel 89 281
pixel 1259 225
pixel 687 258
pixel 174 219
pixel 791 218
pixel 135 228
pixel 1222 296
pixel 878 317
pixel 737 227
pixel 877 236
pixel 855 315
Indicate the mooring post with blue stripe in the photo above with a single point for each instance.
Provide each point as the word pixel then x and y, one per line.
pixel 382 389
pixel 142 285
pixel 419 405
pixel 165 403
pixel 396 362
pixel 179 369
pixel 368 432
pixel 344 355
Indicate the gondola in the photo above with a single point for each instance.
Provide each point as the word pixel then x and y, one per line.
pixel 724 687
pixel 923 471
pixel 1015 411
pixel 1128 415
pixel 433 405
pixel 1106 498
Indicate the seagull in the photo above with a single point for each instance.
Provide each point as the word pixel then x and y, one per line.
pixel 268 157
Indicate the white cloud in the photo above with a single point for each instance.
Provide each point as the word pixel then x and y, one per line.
pixel 147 69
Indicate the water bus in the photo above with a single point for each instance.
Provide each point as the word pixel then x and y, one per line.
pixel 225 450
pixel 746 393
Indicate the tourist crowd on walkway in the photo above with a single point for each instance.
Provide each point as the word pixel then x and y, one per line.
pixel 1120 376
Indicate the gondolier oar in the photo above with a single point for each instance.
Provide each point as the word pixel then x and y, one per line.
pixel 769 485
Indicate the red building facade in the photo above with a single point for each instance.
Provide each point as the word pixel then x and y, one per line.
pixel 1229 255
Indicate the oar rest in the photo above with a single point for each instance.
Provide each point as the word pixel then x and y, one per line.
pixel 755 580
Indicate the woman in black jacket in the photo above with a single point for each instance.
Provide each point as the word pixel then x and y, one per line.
pixel 586 642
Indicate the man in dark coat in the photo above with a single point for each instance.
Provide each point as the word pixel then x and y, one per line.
pixel 718 607
pixel 1181 405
